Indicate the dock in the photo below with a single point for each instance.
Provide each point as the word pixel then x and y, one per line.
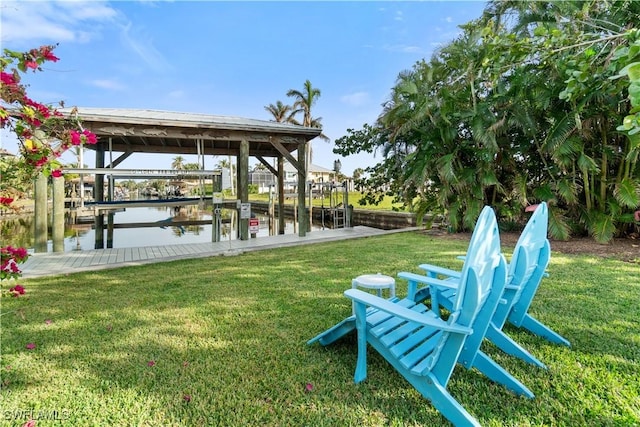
pixel 57 263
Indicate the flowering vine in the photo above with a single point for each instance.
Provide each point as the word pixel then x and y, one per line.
pixel 10 257
pixel 43 133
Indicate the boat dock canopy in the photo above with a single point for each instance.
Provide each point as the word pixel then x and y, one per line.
pixel 154 131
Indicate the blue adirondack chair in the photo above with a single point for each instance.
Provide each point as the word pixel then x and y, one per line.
pixel 526 269
pixel 422 346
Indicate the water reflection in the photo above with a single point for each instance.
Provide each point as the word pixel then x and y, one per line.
pixel 149 226
pixel 17 232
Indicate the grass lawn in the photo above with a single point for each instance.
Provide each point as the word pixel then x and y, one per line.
pixel 222 342
pixel 354 197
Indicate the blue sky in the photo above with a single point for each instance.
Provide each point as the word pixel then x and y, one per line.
pixel 230 58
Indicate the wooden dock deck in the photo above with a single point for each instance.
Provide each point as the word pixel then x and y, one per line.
pixel 50 264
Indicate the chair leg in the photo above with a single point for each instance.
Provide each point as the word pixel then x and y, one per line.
pixel 509 346
pixel 336 332
pixel 498 374
pixel 361 326
pixel 536 327
pixel 440 398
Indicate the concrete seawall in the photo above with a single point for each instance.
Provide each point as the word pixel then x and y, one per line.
pixel 384 220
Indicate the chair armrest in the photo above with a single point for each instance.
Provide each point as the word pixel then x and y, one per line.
pixel 426 280
pixel 461 257
pixel 403 312
pixel 440 270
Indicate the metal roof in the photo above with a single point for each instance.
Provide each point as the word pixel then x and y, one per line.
pixel 155 131
pixel 288 167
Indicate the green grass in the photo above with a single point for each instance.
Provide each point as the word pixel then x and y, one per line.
pixel 354 197
pixel 231 333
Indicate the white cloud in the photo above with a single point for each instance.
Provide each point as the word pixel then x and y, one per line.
pixel 57 21
pixel 403 48
pixel 153 3
pixel 107 84
pixel 73 21
pixel 448 19
pixel 355 99
pixel 87 10
pixel 142 45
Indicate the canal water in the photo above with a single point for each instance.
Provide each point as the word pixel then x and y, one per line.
pixel 18 232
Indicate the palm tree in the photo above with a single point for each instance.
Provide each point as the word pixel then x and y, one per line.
pixel 178 163
pixel 304 100
pixel 282 113
pixel 358 173
pixel 191 166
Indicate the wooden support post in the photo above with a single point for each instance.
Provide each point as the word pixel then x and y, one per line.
pixel 98 196
pixel 310 222
pixel 110 218
pixel 216 222
pixel 272 212
pixel 57 227
pixel 302 186
pixel 243 186
pixel 216 205
pixel 40 214
pixel 281 218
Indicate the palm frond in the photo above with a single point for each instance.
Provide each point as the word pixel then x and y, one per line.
pixel 567 190
pixel 601 226
pixel 558 227
pixel 587 164
pixel 627 193
pixel 558 134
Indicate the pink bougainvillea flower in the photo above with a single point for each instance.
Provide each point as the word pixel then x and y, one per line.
pixel 46 53
pixel 31 64
pixel 20 253
pixel 26 133
pixel 308 388
pixel 89 137
pixel 48 321
pixel 185 364
pixel 57 173
pixel 41 109
pixel 31 346
pixel 7 79
pixel 75 137
pixel 151 363
pixel 30 423
pixel 17 290
pixel 530 208
pixel 187 398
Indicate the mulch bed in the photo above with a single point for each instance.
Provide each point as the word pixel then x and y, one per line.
pixel 627 249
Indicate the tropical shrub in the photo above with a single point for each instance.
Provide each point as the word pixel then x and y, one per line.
pixel 535 101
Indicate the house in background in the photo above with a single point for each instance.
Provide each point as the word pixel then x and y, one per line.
pixel 263 179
